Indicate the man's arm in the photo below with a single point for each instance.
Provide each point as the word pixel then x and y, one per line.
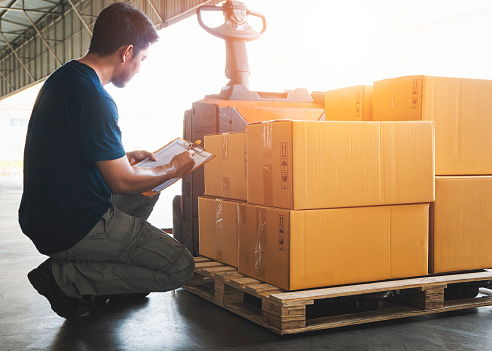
pixel 122 178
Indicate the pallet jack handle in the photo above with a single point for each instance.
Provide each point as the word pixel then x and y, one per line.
pixel 236 32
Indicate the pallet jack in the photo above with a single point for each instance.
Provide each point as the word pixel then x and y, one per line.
pixel 232 109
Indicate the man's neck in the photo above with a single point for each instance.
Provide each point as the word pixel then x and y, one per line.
pixel 104 66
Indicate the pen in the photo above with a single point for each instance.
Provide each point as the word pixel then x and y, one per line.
pixel 191 145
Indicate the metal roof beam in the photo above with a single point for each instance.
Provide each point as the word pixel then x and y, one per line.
pixel 42 38
pixel 5 78
pixel 52 2
pixel 15 32
pixel 193 8
pixel 17 56
pixel 55 40
pixel 155 10
pixel 11 5
pixel 13 22
pixel 80 17
pixel 40 10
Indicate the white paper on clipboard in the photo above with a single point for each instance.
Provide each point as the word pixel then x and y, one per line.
pixel 165 154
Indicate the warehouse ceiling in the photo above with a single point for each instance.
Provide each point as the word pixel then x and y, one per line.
pixel 38 36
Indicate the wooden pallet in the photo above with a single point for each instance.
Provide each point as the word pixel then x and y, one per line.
pixel 287 312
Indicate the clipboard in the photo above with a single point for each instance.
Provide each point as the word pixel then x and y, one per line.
pixel 165 154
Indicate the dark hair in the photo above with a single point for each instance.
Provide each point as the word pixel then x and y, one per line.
pixel 121 24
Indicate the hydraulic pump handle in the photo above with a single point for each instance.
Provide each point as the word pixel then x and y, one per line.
pixel 262 16
pixel 238 35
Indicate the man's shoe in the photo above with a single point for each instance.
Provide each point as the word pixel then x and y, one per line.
pixel 100 300
pixel 65 306
pixel 125 297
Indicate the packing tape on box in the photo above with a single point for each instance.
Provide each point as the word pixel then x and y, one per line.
pixel 267 140
pixel 245 161
pixel 225 147
pixel 241 214
pixel 261 241
pixel 226 187
pixel 219 229
pixel 267 184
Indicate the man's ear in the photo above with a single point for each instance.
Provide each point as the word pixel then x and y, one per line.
pixel 126 53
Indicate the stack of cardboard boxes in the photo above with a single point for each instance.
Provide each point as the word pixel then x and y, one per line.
pixel 334 203
pixel 461 221
pixel 225 185
pixel 327 203
pixel 301 204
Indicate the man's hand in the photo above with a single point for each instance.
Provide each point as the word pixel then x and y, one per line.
pixel 183 163
pixel 139 155
pixel 121 178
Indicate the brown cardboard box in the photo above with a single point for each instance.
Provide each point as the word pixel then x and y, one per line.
pixel 461 224
pixel 217 220
pixel 461 109
pixel 349 104
pixel 225 175
pixel 317 248
pixel 309 165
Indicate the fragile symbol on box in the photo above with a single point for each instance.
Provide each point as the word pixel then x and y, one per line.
pixel 281 232
pixel 283 165
pixel 284 173
pixel 283 184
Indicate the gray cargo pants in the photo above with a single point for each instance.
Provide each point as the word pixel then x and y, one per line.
pixel 123 254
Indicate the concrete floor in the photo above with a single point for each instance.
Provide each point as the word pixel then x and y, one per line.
pixel 182 321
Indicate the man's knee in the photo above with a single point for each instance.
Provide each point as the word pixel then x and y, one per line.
pixel 185 267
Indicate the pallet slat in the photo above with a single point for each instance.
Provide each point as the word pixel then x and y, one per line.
pixel 349 290
pixel 286 312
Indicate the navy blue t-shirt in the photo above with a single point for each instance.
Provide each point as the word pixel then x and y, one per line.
pixel 74 123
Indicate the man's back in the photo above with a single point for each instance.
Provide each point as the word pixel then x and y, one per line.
pixel 73 125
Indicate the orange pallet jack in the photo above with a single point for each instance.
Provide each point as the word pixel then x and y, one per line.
pixel 232 109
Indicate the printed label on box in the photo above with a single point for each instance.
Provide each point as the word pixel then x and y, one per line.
pixel 283 184
pixel 281 232
pixel 415 93
pixel 284 150
pixel 357 103
pixel 284 165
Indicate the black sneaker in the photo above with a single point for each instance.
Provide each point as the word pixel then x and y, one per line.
pixel 101 300
pixel 65 306
pixel 128 297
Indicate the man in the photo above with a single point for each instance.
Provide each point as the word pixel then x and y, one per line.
pixel 99 243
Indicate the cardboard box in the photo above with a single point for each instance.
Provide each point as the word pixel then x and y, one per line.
pixel 309 165
pixel 226 174
pixel 317 248
pixel 461 224
pixel 217 220
pixel 349 104
pixel 461 109
pixel 267 110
